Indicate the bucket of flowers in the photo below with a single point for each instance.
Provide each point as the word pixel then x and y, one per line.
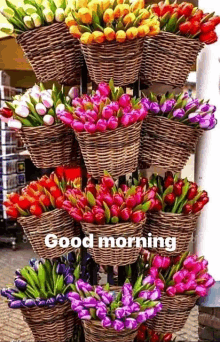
pixel 176 206
pixel 111 36
pixel 109 313
pixel 107 211
pixel 34 116
pixel 41 293
pixel 182 280
pixel 38 208
pixel 172 129
pixel 169 56
pixel 107 125
pixel 42 33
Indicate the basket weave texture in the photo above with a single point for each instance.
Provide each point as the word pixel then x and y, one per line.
pixel 114 256
pixel 168 59
pixel 179 226
pixel 174 313
pixel 50 146
pixel 120 61
pixel 115 151
pixel 51 324
pixel 53 53
pixel 94 332
pixel 166 143
pixel 57 222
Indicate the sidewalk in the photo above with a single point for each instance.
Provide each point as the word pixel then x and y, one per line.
pixel 12 326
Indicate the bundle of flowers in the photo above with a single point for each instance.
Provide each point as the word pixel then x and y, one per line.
pixel 43 195
pixel 148 335
pixel 108 204
pixel 125 309
pixel 32 14
pixel 106 109
pixel 174 195
pixel 44 283
pixel 186 20
pixel 99 21
pixel 193 112
pixel 37 107
pixel 186 274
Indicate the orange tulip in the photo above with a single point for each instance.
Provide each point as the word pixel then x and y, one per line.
pixel 145 13
pixel 143 30
pixel 109 34
pixel 132 33
pixel 70 21
pixel 75 31
pixel 121 10
pixel 138 4
pixel 108 16
pixel 85 15
pixel 129 18
pixel 98 37
pixel 86 38
pixel 120 36
pixel 154 30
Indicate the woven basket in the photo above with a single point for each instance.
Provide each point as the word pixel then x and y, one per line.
pixel 94 332
pixel 51 324
pixel 53 53
pixel 50 146
pixel 120 61
pixel 174 313
pixel 165 225
pixel 168 59
pixel 115 151
pixel 166 143
pixel 114 256
pixel 57 222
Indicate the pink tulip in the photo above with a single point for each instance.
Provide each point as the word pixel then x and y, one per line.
pixel 125 120
pixel 190 285
pixel 180 288
pixel 90 127
pixel 171 291
pixel 142 114
pixel 77 102
pixel 77 126
pixel 197 268
pixel 125 214
pixel 190 262
pixel 137 216
pixel 130 201
pixel 104 89
pixel 118 199
pixel 204 264
pixel 138 198
pixel 112 123
pixel 115 210
pixel 66 120
pixel 67 205
pixel 97 210
pixel 107 112
pixel 114 106
pixel 124 100
pixel 48 120
pixel 178 276
pixel 92 114
pixel 154 271
pixel 159 284
pixel 108 199
pixel 79 111
pixel 201 291
pixel 108 182
pixel 134 116
pixel 151 194
pixel 76 214
pixel 157 261
pixel 101 125
pixel 165 262
pixel 210 282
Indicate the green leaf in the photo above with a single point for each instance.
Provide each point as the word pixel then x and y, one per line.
pixel 84 29
pixel 91 199
pixel 107 213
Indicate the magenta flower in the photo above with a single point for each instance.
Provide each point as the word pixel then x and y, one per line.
pixel 154 108
pixel 124 100
pixel 158 307
pixel 84 315
pixel 89 302
pixel 112 123
pixel 106 322
pixel 155 295
pixel 107 112
pixel 126 120
pixel 141 317
pixel 210 282
pixel 167 106
pixel 135 307
pixel 201 291
pixel 114 106
pixel 101 125
pixel 107 298
pixel 120 313
pixel 101 313
pixel 171 291
pixel 190 285
pixel 90 128
pixel 190 262
pixel 144 294
pixel 149 280
pixel 127 300
pixel 130 323
pixel 157 261
pixel 118 325
pixel 77 126
pixel 159 284
pixel 180 287
pixel 146 103
pixel 150 313
pixel 127 289
pixel 104 89
pixel 179 113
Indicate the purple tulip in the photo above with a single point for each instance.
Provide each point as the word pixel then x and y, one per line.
pixel 61 269
pixel 40 302
pixel 73 295
pixel 120 313
pixel 104 89
pixel 126 120
pixel 112 123
pixel 84 315
pixel 101 125
pixel 204 107
pixel 124 100
pixel 158 307
pixel 77 126
pixel 179 276
pixel 118 325
pixel 141 318
pixel 204 123
pixel 190 262
pixel 60 298
pixel 127 310
pixel 142 113
pixel 20 284
pixel 89 302
pixel 130 323
pixel 201 291
pixel 15 304
pixel 107 298
pixel 148 280
pixel 99 290
pixel 135 307
pixel 167 106
pixel 51 302
pixel 127 300
pixel 150 313
pixel 144 294
pixel 155 295
pixel 185 96
pixel 29 303
pixel 191 104
pixel 179 113
pixel 69 279
pixel 127 289
pixel 81 285
pixel 106 322
pixel 75 303
pixel 154 108
pixel 212 124
pixel 4 292
pixel 171 291
pixel 146 103
pixel 18 273
pixel 101 305
pixel 101 313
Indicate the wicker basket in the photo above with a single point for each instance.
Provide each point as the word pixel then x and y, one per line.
pixel 57 222
pixel 166 143
pixel 120 61
pixel 165 225
pixel 174 313
pixel 51 324
pixel 115 151
pixel 50 146
pixel 168 59
pixel 53 53
pixel 94 332
pixel 114 256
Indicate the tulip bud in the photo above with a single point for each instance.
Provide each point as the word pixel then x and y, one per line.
pixel 132 33
pixel 171 291
pixel 7 28
pixel 109 34
pixel 108 15
pixel 14 124
pixel 87 38
pixel 85 15
pixel 48 120
pixel 47 102
pixel 120 36
pixel 22 111
pixel 36 19
pixel 106 322
pixel 7 12
pixel 29 22
pixel 40 109
pixel 118 325
pixel 101 125
pixel 201 291
pixel 48 15
pixel 125 214
pixel 59 15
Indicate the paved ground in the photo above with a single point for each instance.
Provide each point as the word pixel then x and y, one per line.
pixel 12 326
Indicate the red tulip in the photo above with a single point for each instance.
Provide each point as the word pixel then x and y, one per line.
pixel 167 337
pixel 76 214
pixel 157 205
pixel 125 214
pixel 177 189
pixel 143 182
pixel 36 210
pixel 207 27
pixel 115 210
pixel 215 20
pixel 205 200
pixel 24 203
pixel 138 198
pixel 33 185
pixel 197 207
pixel 97 210
pixel 108 199
pixel 197 16
pixel 49 183
pixel 187 209
pixel 170 199
pixel 137 216
pixel 130 201
pixel 14 197
pixel 6 113
pixel 8 203
pixel 108 182
pixel 100 218
pixel 59 202
pixel 55 192
pixel 12 212
pixel 118 199
pixel 208 38
pixel 45 200
pixel 168 181
pixel 88 217
pixel 124 187
pixel 192 193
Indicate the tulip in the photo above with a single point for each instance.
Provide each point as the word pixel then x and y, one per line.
pixel 48 120
pixel 47 102
pixel 107 298
pixel 155 295
pixel 59 15
pixel 36 19
pixel 130 323
pixel 210 282
pixel 101 313
pixel 120 36
pixel 112 123
pixel 15 304
pixel 137 216
pixel 41 109
pixel 69 279
pixel 28 22
pixel 190 262
pixel 190 285
pixel 180 287
pixel 150 313
pixel 78 126
pixel 14 124
pixel 132 33
pixel 204 264
pixel 61 269
pixel 127 300
pixel 6 112
pixel 154 108
pixel 84 315
pixel 120 313
pixel 115 210
pixel 171 291
pixel 48 15
pixel 40 302
pixel 22 111
pixel 60 298
pixel 118 199
pixel 75 304
pixel 204 123
pixel 159 284
pixel 167 106
pixel 101 125
pixel 90 128
pixel 201 291
pixel 157 261
pixel 179 113
pixel 144 294
pixel 179 276
pixel 60 108
pixel 88 217
pixel 125 214
pixel 158 307
pixel 106 322
pixel 29 303
pixel 124 100
pixel 89 302
pixel 73 295
pixel 76 214
pixel 118 325
pixel 20 284
pixel 148 280
pixel 73 93
pixel 127 289
pixel 141 317
pixel 104 89
pixel 146 103
pixel 126 120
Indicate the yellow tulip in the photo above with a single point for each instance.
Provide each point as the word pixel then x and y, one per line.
pixel 129 18
pixel 98 37
pixel 86 38
pixel 121 10
pixel 105 4
pixel 92 6
pixel 154 30
pixel 85 15
pixel 132 33
pixel 143 30
pixel 109 34
pixel 75 31
pixel 70 21
pixel 108 16
pixel 120 36
pixel 138 4
pixel 145 13
pixel 81 3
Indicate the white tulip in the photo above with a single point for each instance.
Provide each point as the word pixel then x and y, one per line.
pixel 15 124
pixel 47 102
pixel 35 89
pixel 22 111
pixel 73 93
pixel 67 99
pixel 48 120
pixel 60 108
pixel 41 109
pixel 59 15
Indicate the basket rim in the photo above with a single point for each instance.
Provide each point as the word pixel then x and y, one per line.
pixel 113 42
pixel 92 225
pixel 98 324
pixel 174 214
pixel 179 37
pixel 38 29
pixel 42 127
pixel 43 215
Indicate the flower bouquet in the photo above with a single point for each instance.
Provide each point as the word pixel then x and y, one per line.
pixel 41 293
pixel 176 206
pixel 34 116
pixel 169 56
pixel 182 281
pixel 107 126
pixel 107 211
pixel 111 35
pixel 172 129
pixel 114 313
pixel 38 208
pixel 41 32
